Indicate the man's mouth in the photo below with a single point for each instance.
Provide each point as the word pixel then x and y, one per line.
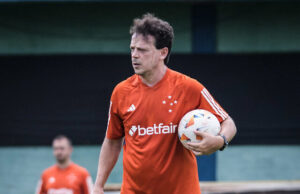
pixel 135 64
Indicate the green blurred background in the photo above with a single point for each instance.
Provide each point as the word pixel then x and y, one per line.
pixel 90 27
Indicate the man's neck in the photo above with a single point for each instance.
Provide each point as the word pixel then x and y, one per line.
pixel 64 165
pixel 152 78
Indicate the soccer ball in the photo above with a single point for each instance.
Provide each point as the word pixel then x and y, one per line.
pixel 199 120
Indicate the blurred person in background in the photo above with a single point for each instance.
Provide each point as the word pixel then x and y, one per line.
pixel 145 110
pixel 65 177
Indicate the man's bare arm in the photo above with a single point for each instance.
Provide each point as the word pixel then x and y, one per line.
pixel 108 157
pixel 228 129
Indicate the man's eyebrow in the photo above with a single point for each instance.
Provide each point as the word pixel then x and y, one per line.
pixel 139 48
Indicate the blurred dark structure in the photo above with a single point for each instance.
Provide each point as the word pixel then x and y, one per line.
pixel 45 95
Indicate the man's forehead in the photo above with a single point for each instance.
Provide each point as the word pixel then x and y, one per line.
pixel 61 141
pixel 142 39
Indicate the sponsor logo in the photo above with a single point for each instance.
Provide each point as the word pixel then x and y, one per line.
pixel 170 103
pixel 60 191
pixel 153 130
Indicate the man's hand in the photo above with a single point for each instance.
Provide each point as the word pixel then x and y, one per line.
pixel 208 145
pixel 98 190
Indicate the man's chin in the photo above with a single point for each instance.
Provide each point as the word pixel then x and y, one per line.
pixel 61 161
pixel 138 71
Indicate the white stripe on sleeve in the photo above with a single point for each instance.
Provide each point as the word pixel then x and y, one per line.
pixel 110 104
pixel 213 104
pixel 38 187
pixel 89 183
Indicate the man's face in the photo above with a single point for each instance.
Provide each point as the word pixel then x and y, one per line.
pixel 144 55
pixel 62 150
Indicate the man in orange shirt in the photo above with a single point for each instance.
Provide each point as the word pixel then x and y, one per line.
pixel 144 113
pixel 65 177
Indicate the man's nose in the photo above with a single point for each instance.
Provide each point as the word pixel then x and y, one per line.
pixel 134 54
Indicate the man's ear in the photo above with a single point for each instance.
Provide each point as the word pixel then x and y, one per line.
pixel 164 53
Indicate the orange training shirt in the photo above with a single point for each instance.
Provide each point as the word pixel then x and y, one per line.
pixel 154 159
pixel 72 180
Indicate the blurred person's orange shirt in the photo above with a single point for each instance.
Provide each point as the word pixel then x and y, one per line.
pixel 154 159
pixel 73 179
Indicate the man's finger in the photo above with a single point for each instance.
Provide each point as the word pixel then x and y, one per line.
pixel 194 144
pixel 200 133
pixel 195 148
pixel 197 153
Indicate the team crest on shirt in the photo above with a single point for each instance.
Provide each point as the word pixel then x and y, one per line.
pixel 71 178
pixel 170 103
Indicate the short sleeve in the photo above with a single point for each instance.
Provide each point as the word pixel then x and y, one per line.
pixel 115 128
pixel 207 102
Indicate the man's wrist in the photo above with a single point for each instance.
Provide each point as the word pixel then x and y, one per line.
pixel 225 142
pixel 98 185
pixel 220 142
pixel 98 189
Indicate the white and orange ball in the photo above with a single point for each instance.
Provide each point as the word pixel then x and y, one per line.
pixel 197 120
